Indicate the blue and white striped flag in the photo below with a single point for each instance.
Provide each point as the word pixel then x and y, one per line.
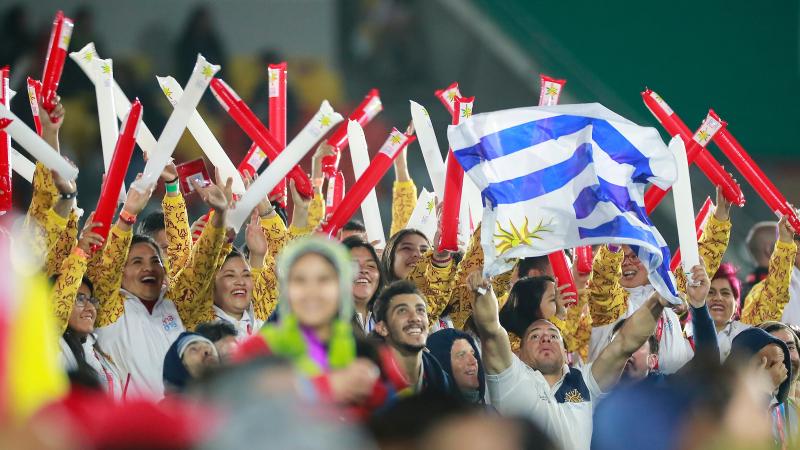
pixel 563 176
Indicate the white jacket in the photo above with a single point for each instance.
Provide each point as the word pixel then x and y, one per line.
pixel 138 342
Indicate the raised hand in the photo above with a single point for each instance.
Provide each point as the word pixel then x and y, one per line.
pixel 324 149
pixel 217 196
pixel 170 172
pixel 256 240
pixel 63 185
pixel 264 206
pixel 89 239
pixel 563 298
pixel 354 383
pixel 51 122
pixel 137 200
pixel 698 286
pixel 785 230
pixel 722 211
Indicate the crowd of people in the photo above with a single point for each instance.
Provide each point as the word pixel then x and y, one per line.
pixel 173 337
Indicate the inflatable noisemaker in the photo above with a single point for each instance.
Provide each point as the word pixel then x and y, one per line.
pixel 751 172
pixel 370 211
pixel 684 208
pixel 694 153
pixel 363 114
pixel 54 62
pixel 584 255
pixel 423 128
pixel 318 126
pixel 252 161
pixel 448 96
pixel 395 144
pixel 277 115
pixel 563 273
pixel 35 145
pixel 84 59
pixel 453 183
pixel 34 93
pixel 107 204
pixel 158 158
pixel 699 223
pixel 335 194
pixel 204 137
pixel 5 148
pixel 550 90
pixel 257 132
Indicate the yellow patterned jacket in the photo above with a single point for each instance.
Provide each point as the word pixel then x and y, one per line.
pixel 768 298
pixel 45 225
pixel 608 300
pixel 404 200
pixel 65 289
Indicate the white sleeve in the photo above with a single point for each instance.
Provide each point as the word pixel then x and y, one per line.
pixel 512 391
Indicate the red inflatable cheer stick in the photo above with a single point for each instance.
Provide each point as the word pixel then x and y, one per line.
pixel 109 194
pixel 378 167
pixel 256 131
pixel 694 153
pixel 54 62
pixel 751 172
pixel 34 93
pixel 335 194
pixel 5 148
pixel 277 115
pixel 363 114
pixel 453 182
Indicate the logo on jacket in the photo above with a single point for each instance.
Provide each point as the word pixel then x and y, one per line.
pixel 169 323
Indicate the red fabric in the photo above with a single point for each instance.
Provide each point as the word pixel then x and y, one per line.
pixel 251 348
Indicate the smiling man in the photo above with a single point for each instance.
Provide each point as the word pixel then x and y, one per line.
pixel 537 382
pixel 401 320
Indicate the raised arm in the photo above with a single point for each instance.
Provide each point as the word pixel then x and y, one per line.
pixel 111 263
pixel 195 280
pixel 496 348
pixel 176 222
pixel 45 193
pixel 607 297
pixel 262 267
pixel 404 194
pixel 705 333
pixel 768 298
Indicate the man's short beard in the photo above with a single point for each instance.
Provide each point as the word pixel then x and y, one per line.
pixel 548 368
pixel 405 349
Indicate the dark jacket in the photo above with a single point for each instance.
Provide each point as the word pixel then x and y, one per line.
pixel 749 342
pixel 440 345
pixel 434 377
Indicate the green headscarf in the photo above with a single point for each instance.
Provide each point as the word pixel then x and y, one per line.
pixel 285 337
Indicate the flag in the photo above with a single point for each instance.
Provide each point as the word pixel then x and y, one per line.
pixel 564 176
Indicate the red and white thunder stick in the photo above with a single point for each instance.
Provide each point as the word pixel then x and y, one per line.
pixel 276 74
pixel 369 107
pixel 448 96
pixel 54 62
pixel 752 173
pixel 256 131
pixel 34 93
pixel 115 176
pixel 694 153
pixel 335 194
pixel 453 183
pixel 550 90
pixel 5 147
pixel 699 223
pixel 378 167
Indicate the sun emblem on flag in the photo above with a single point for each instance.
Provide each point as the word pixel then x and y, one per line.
pixel 551 91
pixel 273 75
pixel 65 40
pixel 514 237
pixel 88 56
pixel 451 95
pixel 207 72
pixel 574 396
pixel 702 136
pixel 167 92
pixel 106 68
pixel 325 120
pixel 425 112
pixel 467 111
pixel 395 138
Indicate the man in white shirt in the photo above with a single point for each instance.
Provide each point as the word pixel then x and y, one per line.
pixel 537 381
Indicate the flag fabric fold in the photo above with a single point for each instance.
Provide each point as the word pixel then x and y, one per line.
pixel 563 176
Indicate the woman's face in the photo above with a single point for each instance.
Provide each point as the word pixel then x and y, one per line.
pixel 313 291
pixel 368 276
pixel 233 286
pixel 721 301
pixel 144 272
pixel 548 306
pixel 407 252
pixel 81 321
